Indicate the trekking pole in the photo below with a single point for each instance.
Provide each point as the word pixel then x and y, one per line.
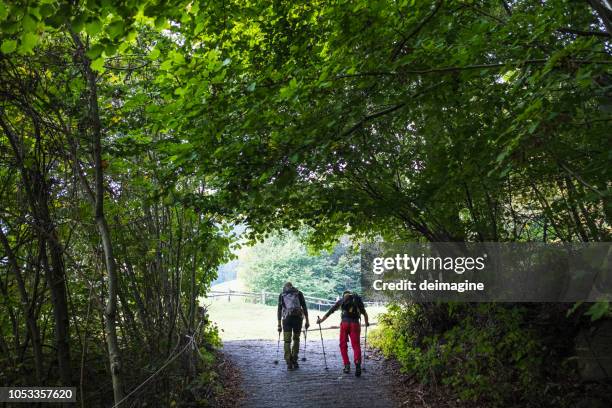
pixel 304 357
pixel 365 345
pixel 322 345
pixel 277 348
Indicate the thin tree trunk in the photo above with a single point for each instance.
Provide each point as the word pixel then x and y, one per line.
pixel 84 350
pixel 59 298
pixel 97 196
pixel 15 326
pixel 36 190
pixel 129 316
pixel 27 308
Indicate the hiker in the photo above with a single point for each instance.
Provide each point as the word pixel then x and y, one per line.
pixel 292 310
pixel 352 308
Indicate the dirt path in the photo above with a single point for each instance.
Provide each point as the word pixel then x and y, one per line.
pixel 269 385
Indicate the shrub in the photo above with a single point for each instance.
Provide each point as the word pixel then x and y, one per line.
pixel 483 352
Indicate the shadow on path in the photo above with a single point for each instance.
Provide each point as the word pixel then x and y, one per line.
pixel 310 386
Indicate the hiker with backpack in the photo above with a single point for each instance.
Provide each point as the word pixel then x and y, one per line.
pixel 291 312
pixel 350 328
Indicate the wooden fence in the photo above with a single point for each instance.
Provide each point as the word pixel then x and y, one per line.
pixel 264 297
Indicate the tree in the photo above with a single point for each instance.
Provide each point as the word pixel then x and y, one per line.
pixel 135 261
pixel 446 120
pixel 284 257
pixel 455 121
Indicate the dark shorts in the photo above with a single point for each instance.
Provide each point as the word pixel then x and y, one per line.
pixel 292 323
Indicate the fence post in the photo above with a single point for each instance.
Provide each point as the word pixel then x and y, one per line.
pixel 263 297
pixel 229 295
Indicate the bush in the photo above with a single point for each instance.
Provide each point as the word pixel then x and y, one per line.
pixel 483 352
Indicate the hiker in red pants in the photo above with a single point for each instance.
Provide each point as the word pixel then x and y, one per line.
pixel 352 308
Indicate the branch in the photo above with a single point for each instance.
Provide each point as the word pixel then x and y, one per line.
pixel 484 13
pixel 373 116
pixel 388 110
pixel 366 74
pixel 580 179
pixel 497 65
pixel 416 30
pixel 584 33
pixel 458 68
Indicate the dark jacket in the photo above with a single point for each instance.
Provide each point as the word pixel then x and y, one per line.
pixel 279 312
pixel 345 317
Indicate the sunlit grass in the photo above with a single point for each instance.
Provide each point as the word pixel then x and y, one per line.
pixel 238 320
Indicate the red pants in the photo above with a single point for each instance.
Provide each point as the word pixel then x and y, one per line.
pixel 352 330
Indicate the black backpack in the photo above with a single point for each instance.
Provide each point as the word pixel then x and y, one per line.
pixel 351 307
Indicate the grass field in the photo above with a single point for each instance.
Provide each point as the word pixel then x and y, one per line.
pixel 238 320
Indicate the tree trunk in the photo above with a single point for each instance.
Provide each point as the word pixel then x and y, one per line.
pixel 36 188
pixel 28 311
pixel 55 274
pixel 97 196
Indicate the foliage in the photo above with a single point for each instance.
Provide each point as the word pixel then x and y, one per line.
pixel 488 353
pixel 284 257
pixel 445 121
pixel 133 134
pixel 103 254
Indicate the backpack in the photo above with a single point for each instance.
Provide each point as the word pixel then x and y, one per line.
pixel 291 304
pixel 351 307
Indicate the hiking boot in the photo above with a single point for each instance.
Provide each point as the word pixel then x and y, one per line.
pixel 347 369
pixel 295 364
pixel 357 369
pixel 289 366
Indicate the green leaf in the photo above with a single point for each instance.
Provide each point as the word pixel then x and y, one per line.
pixel 110 49
pixel 533 127
pixel 28 42
pixel 154 54
pixel 78 22
pixel 116 29
pixel 98 65
pixel 166 65
pixel 8 46
pixel 161 22
pixel 93 27
pixel 598 310
pixel 28 23
pixel 46 10
pixel 573 308
pixel 3 11
pixel 95 51
pixel 177 57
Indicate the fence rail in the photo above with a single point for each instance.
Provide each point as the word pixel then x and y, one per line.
pixel 264 297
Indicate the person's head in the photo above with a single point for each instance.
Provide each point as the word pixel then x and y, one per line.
pixel 346 294
pixel 287 286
